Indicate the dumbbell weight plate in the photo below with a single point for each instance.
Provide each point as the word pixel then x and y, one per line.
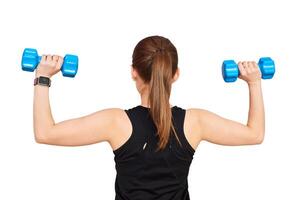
pixel 267 67
pixel 29 59
pixel 230 71
pixel 70 65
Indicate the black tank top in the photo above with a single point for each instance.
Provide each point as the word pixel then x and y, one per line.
pixel 142 173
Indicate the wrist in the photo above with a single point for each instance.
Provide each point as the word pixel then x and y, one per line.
pixel 42 74
pixel 254 83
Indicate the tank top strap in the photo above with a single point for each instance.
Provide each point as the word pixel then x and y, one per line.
pixel 143 130
pixel 178 121
pixel 140 122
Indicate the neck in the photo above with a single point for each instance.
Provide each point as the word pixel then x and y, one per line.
pixel 144 99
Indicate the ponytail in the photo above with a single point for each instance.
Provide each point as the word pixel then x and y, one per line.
pixel 155 59
pixel 159 95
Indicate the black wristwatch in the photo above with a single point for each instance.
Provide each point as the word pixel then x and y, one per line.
pixel 42 80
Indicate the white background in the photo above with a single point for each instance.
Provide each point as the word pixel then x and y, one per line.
pixel 103 35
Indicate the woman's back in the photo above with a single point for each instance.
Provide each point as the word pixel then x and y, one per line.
pixel 142 172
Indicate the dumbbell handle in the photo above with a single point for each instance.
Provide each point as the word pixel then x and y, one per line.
pixel 267 71
pixel 40 58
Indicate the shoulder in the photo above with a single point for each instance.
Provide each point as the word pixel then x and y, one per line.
pixel 111 120
pixel 117 119
pixel 120 126
pixel 115 115
pixel 110 112
pixel 195 120
pixel 202 119
pixel 192 126
pixel 198 114
pixel 119 115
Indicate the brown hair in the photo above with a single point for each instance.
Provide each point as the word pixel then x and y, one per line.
pixel 155 59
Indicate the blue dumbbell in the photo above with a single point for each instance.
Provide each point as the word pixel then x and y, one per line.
pixel 230 70
pixel 31 59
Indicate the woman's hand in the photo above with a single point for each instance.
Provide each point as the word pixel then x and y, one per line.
pixel 249 72
pixel 49 65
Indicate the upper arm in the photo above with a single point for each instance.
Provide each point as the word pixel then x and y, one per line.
pixel 93 128
pixel 219 130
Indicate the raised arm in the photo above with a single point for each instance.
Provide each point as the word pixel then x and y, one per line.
pixel 93 128
pixel 216 129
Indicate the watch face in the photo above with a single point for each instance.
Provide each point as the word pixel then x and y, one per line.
pixel 44 80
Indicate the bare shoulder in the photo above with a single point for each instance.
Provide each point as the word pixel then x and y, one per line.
pixel 111 114
pixel 113 117
pixel 200 115
pixel 121 128
pixel 118 116
pixel 192 125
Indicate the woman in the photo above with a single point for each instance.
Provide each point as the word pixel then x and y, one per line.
pixel 153 142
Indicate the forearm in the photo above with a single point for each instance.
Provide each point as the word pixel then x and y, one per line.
pixel 42 117
pixel 256 115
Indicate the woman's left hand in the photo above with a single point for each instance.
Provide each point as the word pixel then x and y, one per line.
pixel 49 65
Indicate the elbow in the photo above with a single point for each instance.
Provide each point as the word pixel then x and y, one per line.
pixel 41 138
pixel 259 138
pixel 42 134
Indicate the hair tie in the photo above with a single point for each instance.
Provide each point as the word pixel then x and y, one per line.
pixel 159 49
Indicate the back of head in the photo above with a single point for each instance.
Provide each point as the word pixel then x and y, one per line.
pixel 155 59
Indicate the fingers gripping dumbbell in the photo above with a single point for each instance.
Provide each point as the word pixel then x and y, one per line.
pixel 230 70
pixel 31 59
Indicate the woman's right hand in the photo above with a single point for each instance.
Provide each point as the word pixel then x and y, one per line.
pixel 249 71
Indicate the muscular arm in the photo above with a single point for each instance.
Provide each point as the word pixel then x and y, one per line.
pixel 93 128
pixel 90 129
pixel 219 130
pixel 216 129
